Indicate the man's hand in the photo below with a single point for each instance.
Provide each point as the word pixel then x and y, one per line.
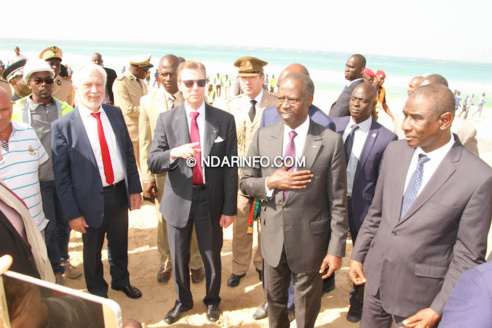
pixel 185 151
pixel 78 224
pixel 135 201
pixel 150 190
pixel 425 318
pixel 283 180
pixel 226 220
pixel 356 274
pixel 332 263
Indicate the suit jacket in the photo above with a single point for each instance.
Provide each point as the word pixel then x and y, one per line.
pixel 111 76
pixel 127 93
pixel 77 177
pixel 221 182
pixel 367 172
pixel 340 108
pixel 270 116
pixel 415 262
pixel 151 106
pixel 469 304
pixel 311 222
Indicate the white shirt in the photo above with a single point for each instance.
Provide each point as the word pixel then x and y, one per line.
pixel 299 142
pixel 200 121
pixel 90 125
pixel 360 137
pixel 430 167
pixel 247 102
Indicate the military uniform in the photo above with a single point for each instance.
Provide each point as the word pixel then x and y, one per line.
pixel 239 106
pixel 63 89
pixel 151 106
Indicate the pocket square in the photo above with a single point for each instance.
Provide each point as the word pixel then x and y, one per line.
pixel 219 139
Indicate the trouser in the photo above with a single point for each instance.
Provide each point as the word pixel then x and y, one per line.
pixel 307 294
pixel 374 316
pixel 115 228
pixel 57 231
pixel 242 242
pixel 210 239
pixel 355 296
pixel 136 151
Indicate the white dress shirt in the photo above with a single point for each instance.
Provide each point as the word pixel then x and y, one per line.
pixel 90 125
pixel 360 137
pixel 430 167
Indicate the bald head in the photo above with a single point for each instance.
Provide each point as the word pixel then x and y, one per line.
pixel 168 66
pixel 97 59
pixel 440 97
pixel 414 83
pixel 354 67
pixel 293 68
pixel 434 79
pixel 5 114
pixel 4 97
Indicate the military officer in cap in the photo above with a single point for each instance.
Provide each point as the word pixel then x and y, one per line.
pixel 247 109
pixel 63 89
pixel 127 90
pixel 14 75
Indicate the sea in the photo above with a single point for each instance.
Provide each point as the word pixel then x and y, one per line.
pixel 326 68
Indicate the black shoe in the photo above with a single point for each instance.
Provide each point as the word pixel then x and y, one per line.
pixel 292 315
pixel 213 313
pixel 234 279
pixel 328 285
pixel 354 314
pixel 260 274
pixel 130 291
pixel 173 315
pixel 261 311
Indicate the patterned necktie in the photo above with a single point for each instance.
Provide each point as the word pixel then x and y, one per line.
pixel 195 137
pixel 413 187
pixel 290 151
pixel 349 143
pixel 106 158
pixel 170 102
pixel 252 110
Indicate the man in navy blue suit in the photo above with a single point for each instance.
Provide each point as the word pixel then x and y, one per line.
pixel 97 180
pixel 365 142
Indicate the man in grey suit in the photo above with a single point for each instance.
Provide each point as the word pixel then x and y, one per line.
pixel 296 242
pixel 354 73
pixel 428 221
pixel 204 197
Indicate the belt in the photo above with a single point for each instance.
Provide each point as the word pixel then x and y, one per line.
pixel 114 186
pixel 199 187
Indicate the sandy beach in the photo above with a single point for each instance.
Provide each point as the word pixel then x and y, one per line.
pixel 239 303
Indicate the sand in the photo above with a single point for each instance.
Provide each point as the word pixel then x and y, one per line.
pixel 238 303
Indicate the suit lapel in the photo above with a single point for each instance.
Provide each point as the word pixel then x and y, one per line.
pixel 180 122
pixel 366 150
pixel 117 133
pixel 400 177
pixel 211 131
pixel 312 145
pixel 80 133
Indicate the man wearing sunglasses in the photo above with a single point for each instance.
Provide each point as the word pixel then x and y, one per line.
pixel 127 91
pixel 157 101
pixel 63 89
pixel 195 194
pixel 39 110
pixel 247 109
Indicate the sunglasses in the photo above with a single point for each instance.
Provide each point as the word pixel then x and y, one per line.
pixel 189 83
pixel 38 80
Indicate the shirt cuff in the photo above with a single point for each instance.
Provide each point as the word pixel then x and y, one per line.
pixel 269 192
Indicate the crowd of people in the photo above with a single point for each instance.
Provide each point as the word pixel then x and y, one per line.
pixel 78 153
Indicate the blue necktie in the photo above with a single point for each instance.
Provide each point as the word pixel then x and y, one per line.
pixel 349 143
pixel 414 185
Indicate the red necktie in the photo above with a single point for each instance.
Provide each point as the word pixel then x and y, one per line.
pixel 195 137
pixel 108 167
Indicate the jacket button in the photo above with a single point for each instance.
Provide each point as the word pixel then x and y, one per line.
pixel 394 233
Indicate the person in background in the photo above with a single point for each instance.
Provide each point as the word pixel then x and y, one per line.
pixel 108 92
pixel 63 89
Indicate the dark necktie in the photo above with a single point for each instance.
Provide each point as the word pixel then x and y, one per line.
pixel 252 110
pixel 106 158
pixel 414 185
pixel 170 102
pixel 195 137
pixel 349 143
pixel 290 151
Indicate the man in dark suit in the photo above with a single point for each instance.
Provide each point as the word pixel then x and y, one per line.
pixel 354 72
pixel 318 184
pixel 196 195
pixel 97 180
pixel 270 115
pixel 111 76
pixel 364 149
pixel 428 221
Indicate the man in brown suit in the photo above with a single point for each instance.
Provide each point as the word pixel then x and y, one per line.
pixel 127 91
pixel 157 101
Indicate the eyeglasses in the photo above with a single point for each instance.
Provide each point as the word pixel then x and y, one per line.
pixel 38 80
pixel 189 83
pixel 290 101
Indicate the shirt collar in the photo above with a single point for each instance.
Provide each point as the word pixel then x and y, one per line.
pixel 350 83
pixel 84 111
pixel 364 126
pixel 301 129
pixel 258 98
pixel 200 110
pixel 33 105
pixel 439 153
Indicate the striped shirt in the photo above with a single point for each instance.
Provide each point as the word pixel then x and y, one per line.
pixel 19 168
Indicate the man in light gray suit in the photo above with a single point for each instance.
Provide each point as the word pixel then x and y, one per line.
pixel 428 221
pixel 295 241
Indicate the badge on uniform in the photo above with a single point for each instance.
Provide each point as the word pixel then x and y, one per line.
pixel 31 150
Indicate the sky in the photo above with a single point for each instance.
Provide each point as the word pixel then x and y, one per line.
pixel 447 30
